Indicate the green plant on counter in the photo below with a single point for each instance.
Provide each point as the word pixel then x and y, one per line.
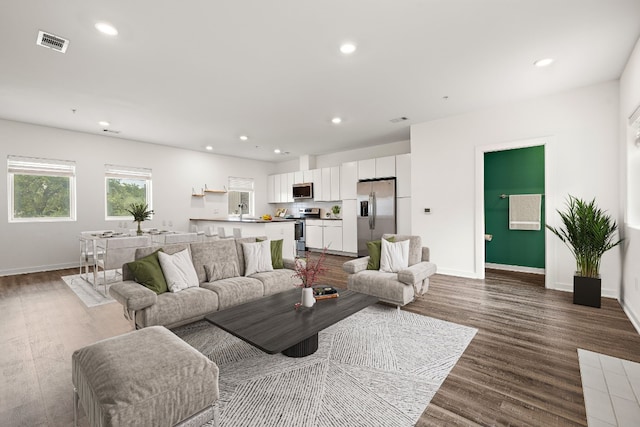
pixel 588 232
pixel 140 212
pixel 335 210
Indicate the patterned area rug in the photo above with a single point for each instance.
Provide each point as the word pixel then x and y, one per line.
pixel 378 367
pixel 85 290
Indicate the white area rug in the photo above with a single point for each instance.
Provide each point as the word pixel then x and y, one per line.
pixel 85 291
pixel 378 367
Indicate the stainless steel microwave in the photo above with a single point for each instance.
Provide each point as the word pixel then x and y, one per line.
pixel 303 191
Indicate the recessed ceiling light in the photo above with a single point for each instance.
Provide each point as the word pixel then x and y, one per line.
pixel 347 48
pixel 103 123
pixel 208 147
pixel 244 137
pixel 336 120
pixel 106 28
pixel 277 151
pixel 543 62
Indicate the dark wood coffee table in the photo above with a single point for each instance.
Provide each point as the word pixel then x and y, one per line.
pixel 273 325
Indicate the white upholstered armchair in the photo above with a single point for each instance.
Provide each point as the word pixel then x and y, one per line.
pixel 399 288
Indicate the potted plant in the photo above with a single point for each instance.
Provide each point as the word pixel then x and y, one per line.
pixel 335 209
pixel 140 212
pixel 308 271
pixel 588 232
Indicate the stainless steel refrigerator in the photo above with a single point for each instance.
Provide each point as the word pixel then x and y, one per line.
pixel 376 210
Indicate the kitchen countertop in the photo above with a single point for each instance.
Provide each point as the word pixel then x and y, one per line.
pixel 247 220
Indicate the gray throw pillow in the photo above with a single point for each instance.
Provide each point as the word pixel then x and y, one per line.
pixel 221 270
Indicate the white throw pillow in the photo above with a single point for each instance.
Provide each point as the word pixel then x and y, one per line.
pixel 257 257
pixel 394 256
pixel 178 270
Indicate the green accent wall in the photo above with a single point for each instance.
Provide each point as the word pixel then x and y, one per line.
pixel 519 171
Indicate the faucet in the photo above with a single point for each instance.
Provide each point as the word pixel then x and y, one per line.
pixel 242 206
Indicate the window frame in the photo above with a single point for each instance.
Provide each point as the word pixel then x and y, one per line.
pixel 242 185
pixel 127 172
pixel 35 166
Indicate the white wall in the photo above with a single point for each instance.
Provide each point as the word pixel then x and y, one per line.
pixel 630 187
pixel 336 159
pixel 29 247
pixel 580 128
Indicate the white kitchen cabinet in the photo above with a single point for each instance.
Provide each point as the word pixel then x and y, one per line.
pixel 276 188
pixel 289 189
pixel 307 176
pixel 283 188
pixel 317 184
pixel 403 215
pixel 321 233
pixel 348 180
pixel 332 235
pixel 298 177
pixel 326 184
pixel 313 233
pixel 366 169
pixel 271 198
pixel 335 183
pixel 385 167
pixel 350 226
pixel 403 175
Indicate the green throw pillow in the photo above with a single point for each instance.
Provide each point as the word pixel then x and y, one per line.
pixel 148 273
pixel 375 249
pixel 276 253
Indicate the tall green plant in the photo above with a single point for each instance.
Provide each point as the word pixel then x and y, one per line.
pixel 588 232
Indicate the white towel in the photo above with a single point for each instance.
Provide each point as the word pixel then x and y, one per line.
pixel 524 211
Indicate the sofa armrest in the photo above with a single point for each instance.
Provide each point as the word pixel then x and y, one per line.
pixel 133 296
pixel 356 265
pixel 289 263
pixel 425 254
pixel 417 273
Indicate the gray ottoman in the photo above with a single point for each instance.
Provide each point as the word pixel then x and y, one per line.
pixel 148 377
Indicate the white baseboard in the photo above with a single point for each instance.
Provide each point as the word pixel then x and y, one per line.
pixel 457 273
pixel 516 268
pixel 38 269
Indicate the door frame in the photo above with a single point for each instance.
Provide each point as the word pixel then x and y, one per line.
pixel 547 142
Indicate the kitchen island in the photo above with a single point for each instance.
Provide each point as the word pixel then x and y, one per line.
pixel 275 229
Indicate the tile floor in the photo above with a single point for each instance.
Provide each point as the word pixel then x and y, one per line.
pixel 611 390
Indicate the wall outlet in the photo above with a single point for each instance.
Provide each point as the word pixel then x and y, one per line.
pixel 427 210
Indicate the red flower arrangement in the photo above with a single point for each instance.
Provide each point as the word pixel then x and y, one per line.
pixel 309 271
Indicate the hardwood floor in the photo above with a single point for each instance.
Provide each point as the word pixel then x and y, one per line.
pixel 520 369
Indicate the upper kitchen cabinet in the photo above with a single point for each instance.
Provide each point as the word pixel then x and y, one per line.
pixel 307 176
pixel 348 180
pixel 403 175
pixel 271 189
pixel 289 189
pixel 326 184
pixel 367 169
pixel 382 167
pixel 385 167
pixel 298 177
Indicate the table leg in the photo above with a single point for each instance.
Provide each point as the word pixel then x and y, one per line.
pixel 303 348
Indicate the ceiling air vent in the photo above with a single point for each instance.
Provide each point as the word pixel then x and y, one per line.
pixel 51 41
pixel 115 132
pixel 399 119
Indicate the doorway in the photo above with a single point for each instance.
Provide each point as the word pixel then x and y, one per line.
pixel 509 245
pixel 549 200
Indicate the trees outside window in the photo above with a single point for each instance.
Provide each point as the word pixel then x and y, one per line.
pixel 41 189
pixel 125 186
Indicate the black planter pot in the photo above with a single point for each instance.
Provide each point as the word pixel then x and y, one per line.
pixel 586 291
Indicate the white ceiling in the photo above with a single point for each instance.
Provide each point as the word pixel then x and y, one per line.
pixel 203 72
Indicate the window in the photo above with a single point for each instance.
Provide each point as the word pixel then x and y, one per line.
pixel 241 196
pixel 41 189
pixel 124 186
